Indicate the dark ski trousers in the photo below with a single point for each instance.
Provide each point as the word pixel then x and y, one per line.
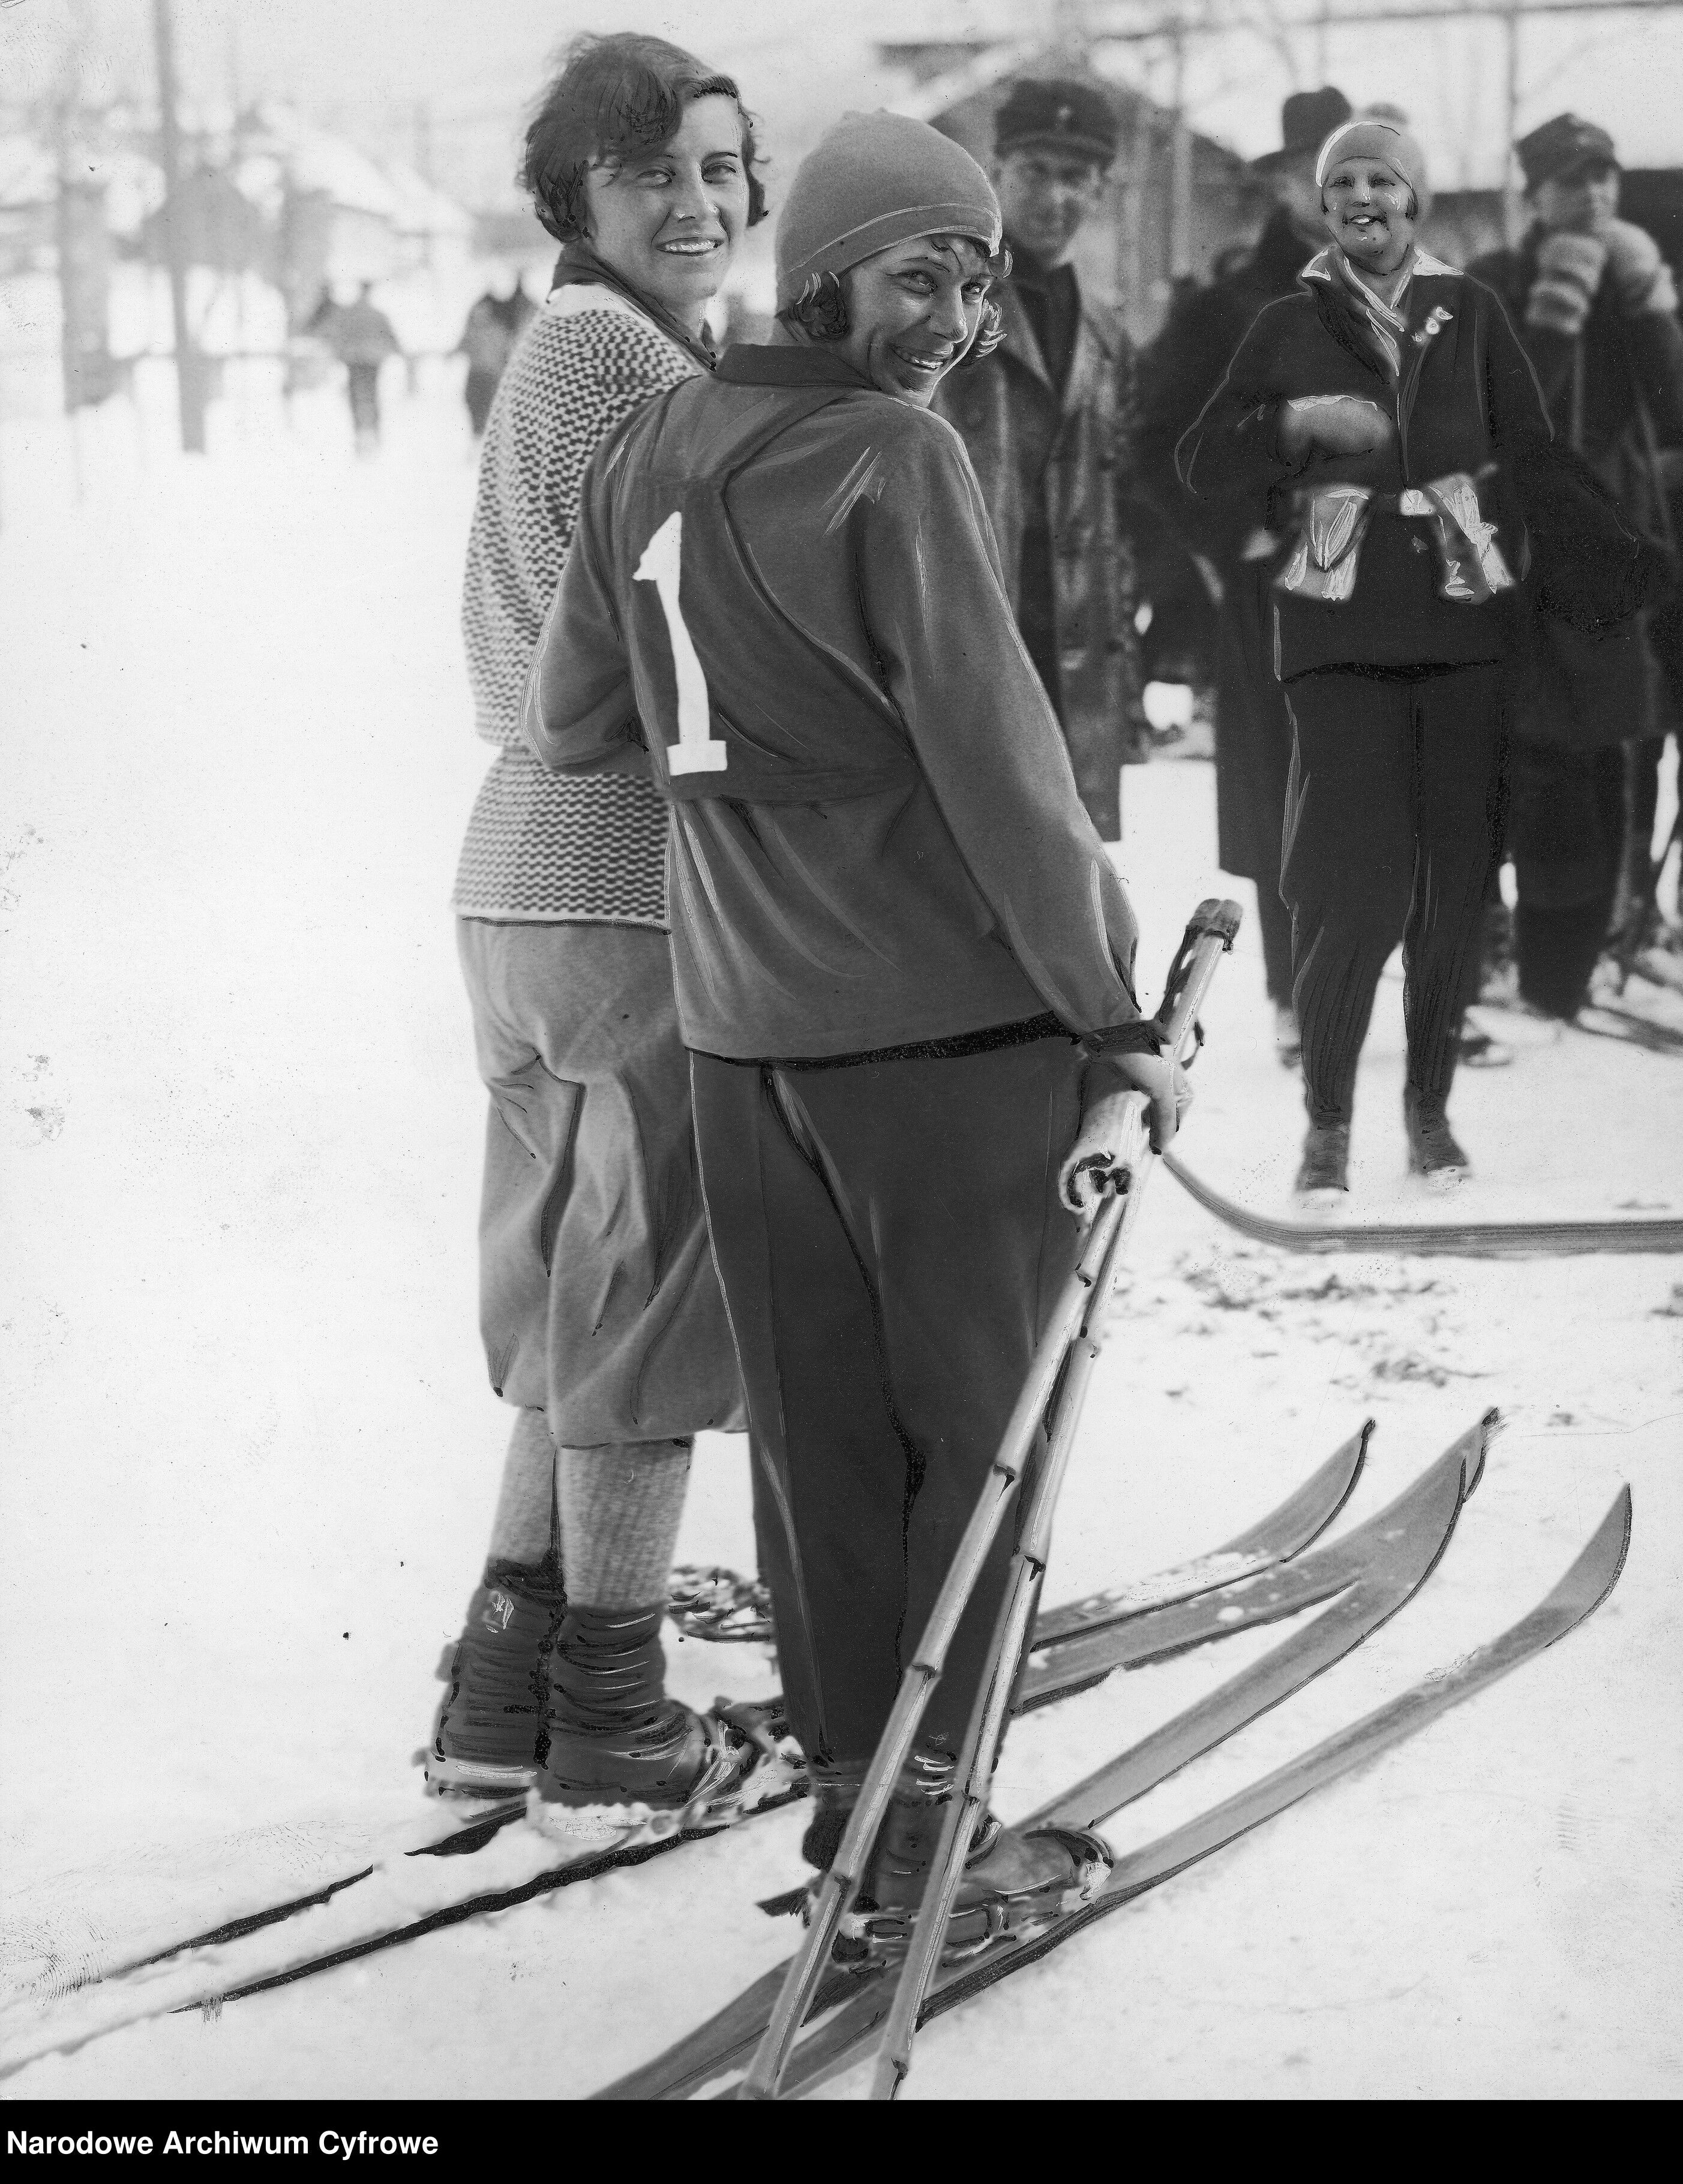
pixel 1566 829
pixel 1393 828
pixel 1253 760
pixel 889 1242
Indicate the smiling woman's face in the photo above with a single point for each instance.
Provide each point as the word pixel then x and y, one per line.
pixel 913 311
pixel 667 220
pixel 1366 204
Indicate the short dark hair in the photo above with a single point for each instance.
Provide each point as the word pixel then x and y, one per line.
pixel 616 96
pixel 821 310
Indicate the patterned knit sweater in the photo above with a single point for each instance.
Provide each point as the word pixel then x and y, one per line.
pixel 542 846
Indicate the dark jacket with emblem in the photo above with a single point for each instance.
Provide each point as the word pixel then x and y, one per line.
pixel 1061 461
pixel 1468 401
pixel 876 839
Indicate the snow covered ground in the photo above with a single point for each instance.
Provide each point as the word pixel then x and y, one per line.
pixel 251 1456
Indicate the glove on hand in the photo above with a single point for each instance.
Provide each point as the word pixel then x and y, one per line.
pixel 1569 273
pixel 1642 279
pixel 1342 424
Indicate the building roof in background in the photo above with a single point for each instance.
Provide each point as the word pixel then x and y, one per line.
pixel 979 71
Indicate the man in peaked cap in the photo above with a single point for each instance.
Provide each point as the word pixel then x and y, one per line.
pixel 1595 306
pixel 1045 418
pixel 1179 373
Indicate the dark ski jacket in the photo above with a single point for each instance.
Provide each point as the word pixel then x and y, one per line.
pixel 1468 401
pixel 785 582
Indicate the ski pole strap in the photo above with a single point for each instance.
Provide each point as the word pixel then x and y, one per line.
pixel 1145 1035
pixel 1213 920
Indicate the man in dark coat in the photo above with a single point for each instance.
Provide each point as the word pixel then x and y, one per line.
pixel 1595 305
pixel 1045 418
pixel 1178 375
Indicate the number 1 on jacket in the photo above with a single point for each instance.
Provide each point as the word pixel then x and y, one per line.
pixel 694 751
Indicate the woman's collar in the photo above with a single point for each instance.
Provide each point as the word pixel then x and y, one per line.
pixel 788 364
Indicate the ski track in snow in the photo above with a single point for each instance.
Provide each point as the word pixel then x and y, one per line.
pixel 254 1457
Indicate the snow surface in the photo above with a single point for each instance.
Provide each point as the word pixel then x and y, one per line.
pixel 254 1458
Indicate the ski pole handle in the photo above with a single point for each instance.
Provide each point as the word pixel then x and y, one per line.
pixel 1115 1137
pixel 1210 932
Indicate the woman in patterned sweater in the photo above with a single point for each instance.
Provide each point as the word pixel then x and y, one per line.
pixel 599 1309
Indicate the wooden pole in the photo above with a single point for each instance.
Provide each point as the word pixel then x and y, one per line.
pixel 189 379
pixel 1513 210
pixel 1180 165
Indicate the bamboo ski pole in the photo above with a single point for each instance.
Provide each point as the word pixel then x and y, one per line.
pixel 1210 931
pixel 841 1883
pixel 985 1733
pixel 1189 977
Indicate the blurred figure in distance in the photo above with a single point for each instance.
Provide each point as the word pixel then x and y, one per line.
pixel 494 325
pixel 362 337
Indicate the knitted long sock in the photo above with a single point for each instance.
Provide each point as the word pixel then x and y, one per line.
pixel 523 1530
pixel 621 1506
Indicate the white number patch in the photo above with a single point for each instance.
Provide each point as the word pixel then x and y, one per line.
pixel 695 751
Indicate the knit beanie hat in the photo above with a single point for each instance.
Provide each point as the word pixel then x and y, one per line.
pixel 876 180
pixel 1370 137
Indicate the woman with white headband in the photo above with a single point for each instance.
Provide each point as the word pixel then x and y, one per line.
pixel 1384 422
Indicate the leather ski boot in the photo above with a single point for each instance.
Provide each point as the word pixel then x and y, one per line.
pixel 1326 1159
pixel 1433 1149
pixel 623 1762
pixel 487 1735
pixel 835 1792
pixel 1015 1884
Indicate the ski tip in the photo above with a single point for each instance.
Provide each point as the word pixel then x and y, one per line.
pixel 1353 1455
pixel 1479 1439
pixel 1616 1525
pixel 1596 1571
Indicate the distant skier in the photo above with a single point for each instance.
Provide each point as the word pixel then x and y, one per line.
pixel 601 1313
pixel 362 337
pixel 494 325
pixel 904 960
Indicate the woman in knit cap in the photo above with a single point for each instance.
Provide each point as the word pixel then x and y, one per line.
pixel 904 962
pixel 1385 422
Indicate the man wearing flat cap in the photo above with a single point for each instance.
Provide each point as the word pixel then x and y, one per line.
pixel 1045 420
pixel 1595 304
pixel 1178 375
